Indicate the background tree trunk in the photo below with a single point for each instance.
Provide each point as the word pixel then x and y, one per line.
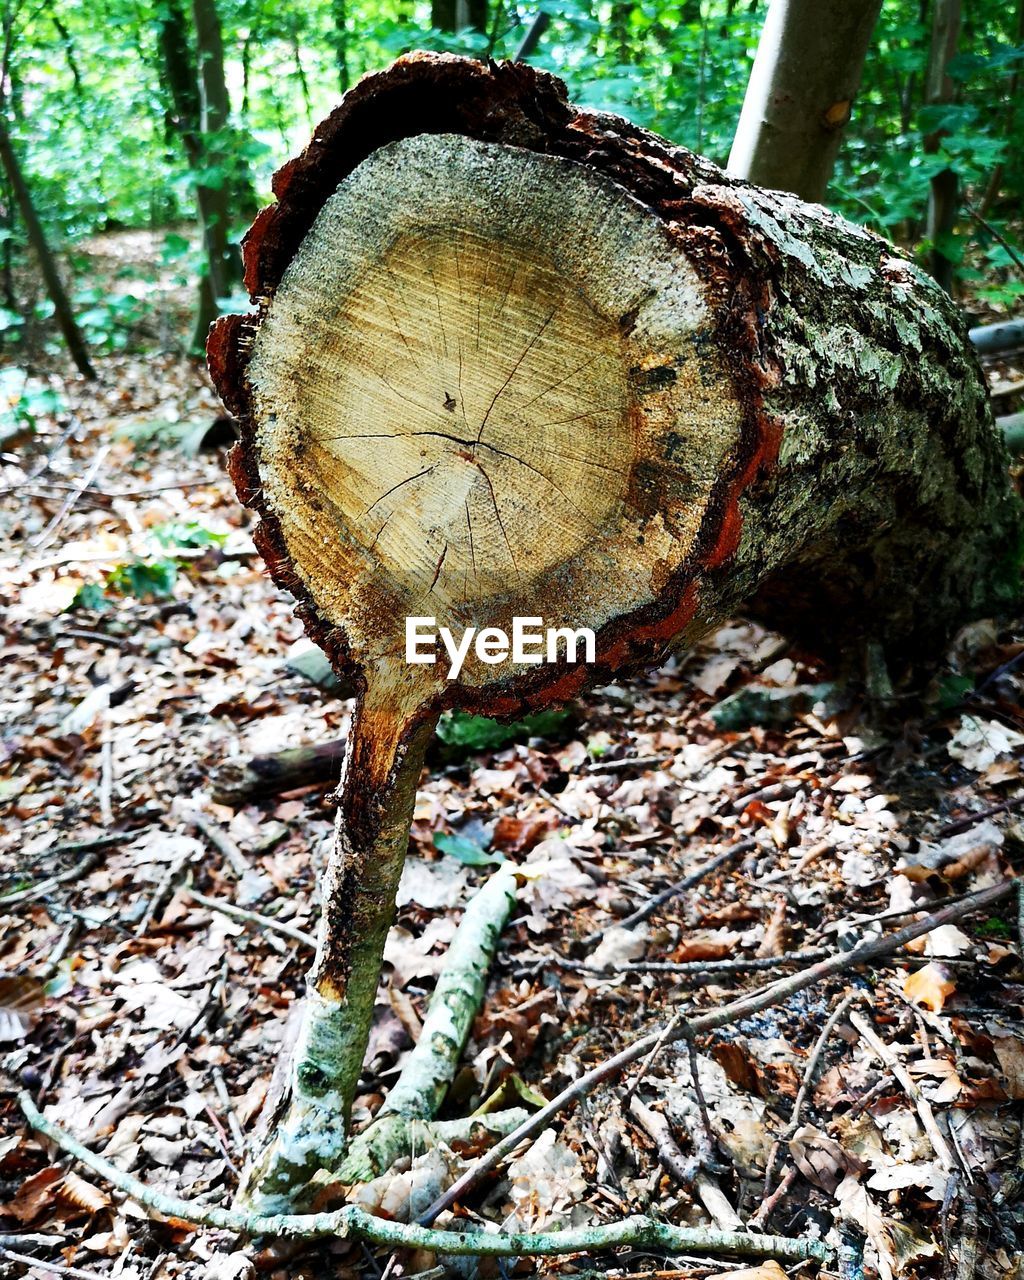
pixel 798 102
pixel 47 263
pixel 200 116
pixel 944 190
pixel 457 15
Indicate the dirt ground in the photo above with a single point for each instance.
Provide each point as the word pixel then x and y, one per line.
pixel 144 646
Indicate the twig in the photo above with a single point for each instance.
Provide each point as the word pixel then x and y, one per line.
pixel 46 886
pixel 771 1202
pixel 709 969
pixel 708 1137
pixel 625 764
pixel 660 1040
pixel 998 236
pixel 162 891
pixel 687 1173
pixel 962 824
pixel 967 1244
pixel 355 1223
pixel 680 886
pixel 734 1011
pixel 806 1085
pixel 221 841
pixel 56 1267
pixel 253 917
pixel 48 534
pixel 884 1052
pixel 1020 917
pixel 532 38
pixel 234 1124
pixel 31 1240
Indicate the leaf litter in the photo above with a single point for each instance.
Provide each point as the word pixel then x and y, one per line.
pixel 145 647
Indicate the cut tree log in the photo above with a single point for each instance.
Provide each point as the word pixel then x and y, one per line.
pixel 514 359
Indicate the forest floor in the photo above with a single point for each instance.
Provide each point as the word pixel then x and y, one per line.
pixel 144 646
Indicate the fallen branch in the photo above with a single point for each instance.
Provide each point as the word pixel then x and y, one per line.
pixel 356 1224
pixel 424 1080
pixel 882 1051
pixel 253 917
pixel 734 1011
pixel 689 1173
pixel 56 1268
pixel 237 781
pixel 969 819
pixel 680 886
pixel 221 841
pixel 40 890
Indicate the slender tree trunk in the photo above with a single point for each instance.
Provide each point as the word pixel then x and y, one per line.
pixel 944 191
pixel 200 116
pixel 47 263
pixel 530 41
pixel 378 790
pixel 995 181
pixel 801 91
pixel 232 195
pixel 457 15
pixel 339 15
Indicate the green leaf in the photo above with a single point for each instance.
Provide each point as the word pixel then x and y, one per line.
pixel 190 534
pixel 90 595
pixel 144 579
pixel 467 851
pixel 478 733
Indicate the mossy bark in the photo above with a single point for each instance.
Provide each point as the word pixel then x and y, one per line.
pixel 309 1128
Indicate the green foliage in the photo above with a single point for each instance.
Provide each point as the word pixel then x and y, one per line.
pixel 188 534
pixel 24 399
pixel 469 852
pixel 104 147
pixel 477 733
pixel 142 579
pixel 951 691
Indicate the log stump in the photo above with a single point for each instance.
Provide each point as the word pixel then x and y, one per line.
pixel 512 358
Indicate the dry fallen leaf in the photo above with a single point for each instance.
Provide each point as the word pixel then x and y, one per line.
pixel 929 986
pixel 774 941
pixel 1009 1051
pixel 766 1271
pixel 21 998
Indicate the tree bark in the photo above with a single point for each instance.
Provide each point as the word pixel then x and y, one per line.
pixel 802 86
pixel 200 116
pixel 378 790
pixel 995 182
pixel 457 15
pixel 47 263
pixel 586 378
pixel 943 192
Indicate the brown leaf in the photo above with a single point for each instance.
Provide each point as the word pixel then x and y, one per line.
pixel 766 1271
pixel 774 941
pixel 520 835
pixel 36 1195
pixel 738 1065
pixel 929 986
pixel 705 948
pixel 1009 1051
pixel 21 998
pixel 78 1193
